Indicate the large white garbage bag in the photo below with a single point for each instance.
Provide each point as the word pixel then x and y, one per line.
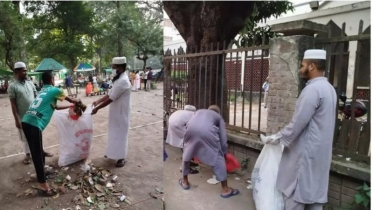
pixel 263 179
pixel 75 136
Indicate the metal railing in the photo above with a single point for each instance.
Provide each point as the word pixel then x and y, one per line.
pixel 229 78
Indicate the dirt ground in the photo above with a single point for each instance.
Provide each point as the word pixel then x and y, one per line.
pixel 201 195
pixel 246 115
pixel 141 175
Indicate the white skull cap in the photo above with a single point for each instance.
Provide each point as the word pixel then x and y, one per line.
pixel 315 54
pixel 19 65
pixel 190 108
pixel 119 60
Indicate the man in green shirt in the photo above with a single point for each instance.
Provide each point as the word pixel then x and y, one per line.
pixel 36 119
pixel 21 93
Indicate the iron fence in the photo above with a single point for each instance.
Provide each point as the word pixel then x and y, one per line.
pixel 230 78
pixel 352 134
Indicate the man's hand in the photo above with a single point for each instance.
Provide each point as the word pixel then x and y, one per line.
pixel 94 111
pixel 95 103
pixel 18 124
pixel 274 139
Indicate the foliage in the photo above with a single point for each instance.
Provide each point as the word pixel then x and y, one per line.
pixel 10 34
pixel 147 38
pixel 73 32
pixel 362 198
pixel 251 35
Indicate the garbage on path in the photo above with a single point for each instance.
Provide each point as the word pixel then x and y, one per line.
pixel 94 187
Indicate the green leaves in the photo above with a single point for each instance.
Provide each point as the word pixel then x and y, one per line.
pixel 251 35
pixel 363 195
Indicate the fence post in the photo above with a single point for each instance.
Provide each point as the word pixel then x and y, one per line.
pixel 286 55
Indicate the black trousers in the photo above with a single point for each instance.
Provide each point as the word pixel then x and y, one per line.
pixel 145 80
pixel 35 141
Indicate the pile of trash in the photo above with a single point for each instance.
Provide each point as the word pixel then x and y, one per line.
pixel 95 187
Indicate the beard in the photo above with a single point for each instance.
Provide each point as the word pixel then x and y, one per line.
pixel 305 75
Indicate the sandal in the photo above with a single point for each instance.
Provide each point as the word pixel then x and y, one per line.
pixel 46 154
pixel 233 193
pixel 27 160
pixel 191 171
pixel 181 184
pixel 46 193
pixel 120 163
pixel 193 164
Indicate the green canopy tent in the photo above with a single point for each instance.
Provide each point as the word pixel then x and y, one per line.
pixel 4 72
pixel 108 71
pixel 49 64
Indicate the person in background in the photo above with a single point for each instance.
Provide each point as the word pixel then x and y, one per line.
pixel 68 84
pixel 177 125
pixel 303 174
pixel 145 78
pixel 35 120
pixel 266 89
pixel 136 81
pixel 206 139
pixel 105 85
pixel 149 78
pixel 22 93
pixel 119 99
pixel 90 78
pixel 94 79
pixel 133 77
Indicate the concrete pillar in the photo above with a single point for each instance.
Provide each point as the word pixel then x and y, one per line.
pixel 286 55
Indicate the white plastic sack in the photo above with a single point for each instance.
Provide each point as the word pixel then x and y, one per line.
pixel 263 179
pixel 75 136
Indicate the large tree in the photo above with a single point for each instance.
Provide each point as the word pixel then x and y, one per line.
pixel 10 34
pixel 202 23
pixel 61 28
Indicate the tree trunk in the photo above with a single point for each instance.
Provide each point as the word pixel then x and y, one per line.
pixel 99 54
pixel 144 65
pixel 119 35
pixel 201 24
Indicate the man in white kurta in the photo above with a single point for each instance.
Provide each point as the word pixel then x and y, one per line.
pixel 119 99
pixel 303 174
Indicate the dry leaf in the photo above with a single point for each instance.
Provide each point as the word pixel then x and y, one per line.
pixel 20 178
pixel 28 192
pixel 19 194
pixel 74 187
pixel 99 188
pixel 56 196
pixel 128 201
pixel 100 194
pixel 62 189
pixel 114 205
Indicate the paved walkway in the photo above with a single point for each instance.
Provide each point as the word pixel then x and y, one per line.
pixel 142 174
pixel 201 196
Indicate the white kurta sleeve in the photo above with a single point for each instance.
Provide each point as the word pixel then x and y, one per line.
pixel 307 104
pixel 118 89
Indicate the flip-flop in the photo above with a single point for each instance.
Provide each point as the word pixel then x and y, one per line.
pixel 27 161
pixel 181 184
pixel 193 164
pixel 191 171
pixel 48 154
pixel 233 193
pixel 46 193
pixel 120 163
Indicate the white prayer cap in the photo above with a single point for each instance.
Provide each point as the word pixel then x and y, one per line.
pixel 19 65
pixel 190 108
pixel 315 54
pixel 119 60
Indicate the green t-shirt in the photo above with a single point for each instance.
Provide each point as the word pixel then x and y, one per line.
pixel 40 111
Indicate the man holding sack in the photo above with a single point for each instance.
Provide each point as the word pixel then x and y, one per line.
pixel 303 173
